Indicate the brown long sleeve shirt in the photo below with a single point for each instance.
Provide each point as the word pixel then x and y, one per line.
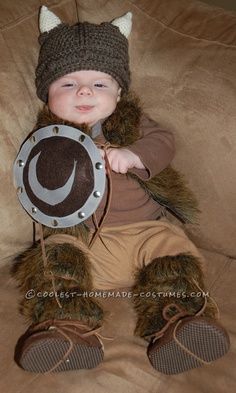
pixel 130 203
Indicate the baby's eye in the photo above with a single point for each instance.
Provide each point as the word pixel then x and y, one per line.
pixel 100 85
pixel 68 85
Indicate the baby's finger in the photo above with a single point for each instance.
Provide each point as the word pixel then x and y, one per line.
pixel 123 168
pixel 114 164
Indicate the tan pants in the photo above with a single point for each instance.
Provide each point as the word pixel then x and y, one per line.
pixel 122 249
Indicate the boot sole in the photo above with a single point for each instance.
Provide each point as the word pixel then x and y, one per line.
pixel 43 352
pixel 203 337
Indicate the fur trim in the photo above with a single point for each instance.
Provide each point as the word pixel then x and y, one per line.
pixel 168 275
pixel 63 260
pixel 71 270
pixel 122 127
pixel 170 189
pixel 85 310
pixel 82 309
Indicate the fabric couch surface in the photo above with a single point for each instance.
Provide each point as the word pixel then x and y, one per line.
pixel 183 56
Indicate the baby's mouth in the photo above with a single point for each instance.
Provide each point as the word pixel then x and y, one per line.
pixel 84 108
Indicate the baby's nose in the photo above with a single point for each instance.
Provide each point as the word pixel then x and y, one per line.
pixel 84 90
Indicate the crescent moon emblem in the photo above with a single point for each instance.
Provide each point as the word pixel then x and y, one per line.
pixel 51 197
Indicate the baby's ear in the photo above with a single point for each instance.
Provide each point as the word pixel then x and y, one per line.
pixel 119 94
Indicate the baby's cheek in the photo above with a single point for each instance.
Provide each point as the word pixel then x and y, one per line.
pixel 111 106
pixel 58 107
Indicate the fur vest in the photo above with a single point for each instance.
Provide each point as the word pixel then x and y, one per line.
pixel 168 188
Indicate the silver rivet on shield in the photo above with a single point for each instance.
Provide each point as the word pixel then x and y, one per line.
pixel 19 190
pixel 98 165
pixel 54 223
pixel 55 130
pixel 96 194
pixel 20 163
pixel 81 214
pixel 34 210
pixel 82 138
pixel 32 139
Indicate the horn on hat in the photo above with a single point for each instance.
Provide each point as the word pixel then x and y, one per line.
pixel 47 20
pixel 124 23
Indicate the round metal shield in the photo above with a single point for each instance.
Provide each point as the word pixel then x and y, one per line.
pixel 59 176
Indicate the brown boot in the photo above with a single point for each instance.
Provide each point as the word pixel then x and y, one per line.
pixel 181 328
pixel 63 332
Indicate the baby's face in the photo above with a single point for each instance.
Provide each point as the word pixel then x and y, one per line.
pixel 84 96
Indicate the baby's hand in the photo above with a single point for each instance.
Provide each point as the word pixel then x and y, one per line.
pixel 121 160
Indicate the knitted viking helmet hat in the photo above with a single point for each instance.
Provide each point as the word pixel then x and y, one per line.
pixel 83 46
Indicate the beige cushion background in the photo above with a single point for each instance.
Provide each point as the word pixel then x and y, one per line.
pixel 183 57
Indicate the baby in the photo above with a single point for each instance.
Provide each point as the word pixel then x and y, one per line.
pixel 84 79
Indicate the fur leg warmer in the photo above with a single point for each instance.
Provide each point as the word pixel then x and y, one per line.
pixel 166 280
pixel 70 269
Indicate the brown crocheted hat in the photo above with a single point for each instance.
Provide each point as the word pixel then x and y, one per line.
pixel 83 46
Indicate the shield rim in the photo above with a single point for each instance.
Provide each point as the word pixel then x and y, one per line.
pixel 99 175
